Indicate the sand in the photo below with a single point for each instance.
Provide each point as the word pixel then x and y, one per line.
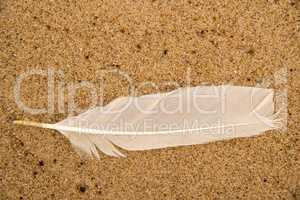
pixel 211 42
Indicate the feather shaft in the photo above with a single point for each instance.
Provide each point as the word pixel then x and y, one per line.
pixel 109 132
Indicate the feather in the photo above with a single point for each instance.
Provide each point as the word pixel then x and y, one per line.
pixel 185 116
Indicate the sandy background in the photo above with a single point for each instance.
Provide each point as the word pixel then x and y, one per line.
pixel 219 41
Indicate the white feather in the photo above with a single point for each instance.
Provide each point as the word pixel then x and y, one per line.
pixel 185 116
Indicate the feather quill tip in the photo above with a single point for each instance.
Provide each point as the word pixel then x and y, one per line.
pixel 30 123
